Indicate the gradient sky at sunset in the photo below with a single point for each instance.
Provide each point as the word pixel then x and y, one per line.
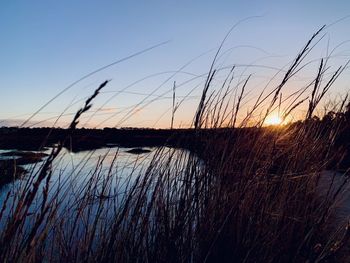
pixel 47 45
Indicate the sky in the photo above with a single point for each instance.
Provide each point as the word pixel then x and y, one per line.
pixel 48 45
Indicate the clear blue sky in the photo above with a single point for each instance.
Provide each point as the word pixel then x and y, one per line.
pixel 46 45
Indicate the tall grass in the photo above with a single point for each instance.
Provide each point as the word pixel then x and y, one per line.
pixel 243 193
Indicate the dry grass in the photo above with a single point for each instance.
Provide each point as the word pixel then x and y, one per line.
pixel 250 197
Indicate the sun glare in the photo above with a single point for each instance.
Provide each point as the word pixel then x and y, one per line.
pixel 273 120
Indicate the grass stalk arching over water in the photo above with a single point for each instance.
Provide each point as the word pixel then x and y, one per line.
pixel 241 194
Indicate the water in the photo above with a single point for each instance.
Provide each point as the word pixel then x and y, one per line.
pixel 77 168
pixel 5 157
pixel 108 171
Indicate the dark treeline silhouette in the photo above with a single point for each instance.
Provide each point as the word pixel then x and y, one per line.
pixel 84 139
pixel 33 139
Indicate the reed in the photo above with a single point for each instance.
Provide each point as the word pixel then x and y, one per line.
pixel 241 192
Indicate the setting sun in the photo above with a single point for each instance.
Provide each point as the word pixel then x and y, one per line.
pixel 273 120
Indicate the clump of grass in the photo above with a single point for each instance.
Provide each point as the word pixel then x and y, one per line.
pixel 241 194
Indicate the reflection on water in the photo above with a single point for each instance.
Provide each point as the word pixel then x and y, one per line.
pixel 2 157
pixel 76 168
pixel 107 171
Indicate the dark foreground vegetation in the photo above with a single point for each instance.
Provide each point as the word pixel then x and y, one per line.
pixel 252 196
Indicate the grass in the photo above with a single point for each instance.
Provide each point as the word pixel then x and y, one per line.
pixel 242 194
